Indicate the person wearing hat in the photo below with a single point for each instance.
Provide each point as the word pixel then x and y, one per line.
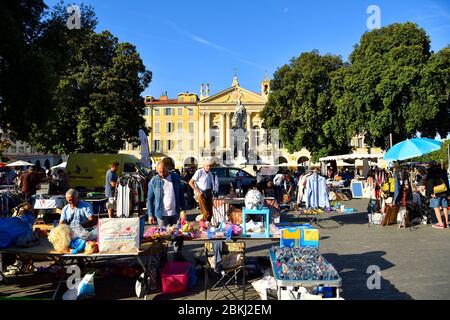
pixel 204 184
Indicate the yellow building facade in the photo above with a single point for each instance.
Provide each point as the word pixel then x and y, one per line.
pixel 191 128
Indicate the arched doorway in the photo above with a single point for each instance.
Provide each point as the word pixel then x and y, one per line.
pixel 190 162
pixel 47 164
pixel 302 164
pixel 38 163
pixel 302 161
pixel 281 160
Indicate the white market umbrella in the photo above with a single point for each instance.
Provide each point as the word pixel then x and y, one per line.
pixel 19 163
pixel 59 166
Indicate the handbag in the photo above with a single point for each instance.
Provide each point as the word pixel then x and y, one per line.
pixel 441 188
pixel 388 186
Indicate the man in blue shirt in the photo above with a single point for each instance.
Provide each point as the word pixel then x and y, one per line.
pixel 76 213
pixel 110 188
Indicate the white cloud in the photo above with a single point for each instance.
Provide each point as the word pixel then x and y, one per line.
pixel 210 44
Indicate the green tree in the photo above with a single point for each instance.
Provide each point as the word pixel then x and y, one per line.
pixel 434 92
pixel 393 84
pixel 300 104
pixel 96 104
pixel 438 155
pixel 4 145
pixel 25 70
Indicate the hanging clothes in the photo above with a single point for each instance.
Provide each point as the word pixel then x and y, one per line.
pixel 316 192
pixel 9 199
pixel 302 187
pixel 398 188
pixel 123 199
pixel 130 195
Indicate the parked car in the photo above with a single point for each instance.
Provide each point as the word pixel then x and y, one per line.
pixel 228 176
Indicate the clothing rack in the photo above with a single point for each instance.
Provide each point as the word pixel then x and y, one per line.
pixel 11 187
pixel 130 195
pixel 9 199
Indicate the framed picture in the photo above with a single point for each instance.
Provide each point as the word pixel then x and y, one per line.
pixel 357 189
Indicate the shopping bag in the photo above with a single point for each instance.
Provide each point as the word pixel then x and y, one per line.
pixel 86 288
pixel 116 235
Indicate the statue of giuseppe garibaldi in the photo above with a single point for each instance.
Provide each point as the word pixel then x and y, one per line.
pixel 239 116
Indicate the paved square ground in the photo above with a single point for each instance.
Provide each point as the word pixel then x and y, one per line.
pixel 414 264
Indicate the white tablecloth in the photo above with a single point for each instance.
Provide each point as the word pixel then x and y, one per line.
pixel 52 203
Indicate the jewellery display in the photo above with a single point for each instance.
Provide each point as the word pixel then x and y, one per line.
pixel 303 264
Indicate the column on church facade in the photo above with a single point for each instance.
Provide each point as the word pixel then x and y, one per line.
pixel 207 131
pixel 223 129
pixel 249 130
pixel 228 130
pixel 201 133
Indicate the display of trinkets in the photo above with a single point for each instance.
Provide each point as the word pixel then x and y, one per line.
pixel 303 264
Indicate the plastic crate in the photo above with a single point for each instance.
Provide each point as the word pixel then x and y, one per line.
pixel 175 277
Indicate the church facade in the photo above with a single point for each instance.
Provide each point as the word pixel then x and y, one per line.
pixel 225 127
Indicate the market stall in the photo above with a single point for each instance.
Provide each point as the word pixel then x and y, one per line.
pixel 297 269
pixel 46 251
pixel 223 207
pixel 403 199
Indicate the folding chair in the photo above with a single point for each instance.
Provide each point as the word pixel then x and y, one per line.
pixel 233 264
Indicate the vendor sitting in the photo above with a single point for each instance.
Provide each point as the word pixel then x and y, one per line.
pixel 77 213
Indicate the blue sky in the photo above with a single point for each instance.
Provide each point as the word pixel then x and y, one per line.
pixel 186 43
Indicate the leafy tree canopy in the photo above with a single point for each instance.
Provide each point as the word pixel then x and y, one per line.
pixel 88 96
pixel 393 84
pixel 300 103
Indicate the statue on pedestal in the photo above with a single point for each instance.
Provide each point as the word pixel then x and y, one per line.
pixel 239 116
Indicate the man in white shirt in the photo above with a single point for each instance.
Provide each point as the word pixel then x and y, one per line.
pixel 204 184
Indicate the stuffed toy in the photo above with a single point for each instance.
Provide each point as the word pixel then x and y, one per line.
pixel 60 238
pixel 91 247
pixel 183 218
pixel 77 245
pixel 204 225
